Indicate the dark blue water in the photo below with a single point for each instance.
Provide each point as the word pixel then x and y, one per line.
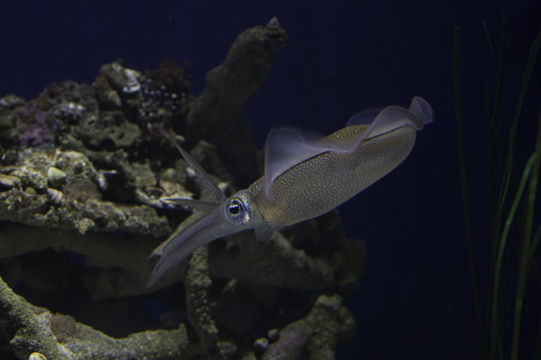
pixel 415 300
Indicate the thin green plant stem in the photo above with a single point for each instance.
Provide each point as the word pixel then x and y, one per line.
pixel 489 136
pixel 495 138
pixel 464 181
pixel 490 46
pixel 494 148
pixel 501 248
pixel 506 184
pixel 530 64
pixel 533 249
pixel 494 114
pixel 525 248
pixel 494 142
pixel 490 132
pixel 534 265
pixel 538 345
pixel 530 205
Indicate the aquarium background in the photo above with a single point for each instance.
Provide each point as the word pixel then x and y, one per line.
pixel 415 299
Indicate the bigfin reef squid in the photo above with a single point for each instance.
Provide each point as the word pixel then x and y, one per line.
pixel 306 175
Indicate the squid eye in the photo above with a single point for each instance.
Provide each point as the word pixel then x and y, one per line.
pixel 235 209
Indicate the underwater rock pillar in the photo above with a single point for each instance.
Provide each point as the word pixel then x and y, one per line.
pixel 218 114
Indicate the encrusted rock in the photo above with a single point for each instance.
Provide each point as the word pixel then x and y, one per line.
pixel 260 345
pixel 63 326
pixel 8 181
pixel 37 356
pixel 86 171
pixel 11 101
pixel 55 177
pixel 121 78
pixel 55 196
pixel 328 324
pixel 273 335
